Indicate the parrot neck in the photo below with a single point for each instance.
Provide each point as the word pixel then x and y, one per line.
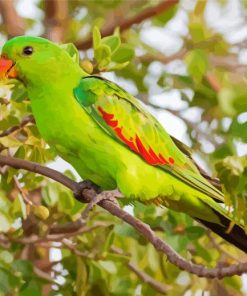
pixel 55 84
pixel 53 102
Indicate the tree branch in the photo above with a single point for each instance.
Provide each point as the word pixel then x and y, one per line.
pixel 39 169
pixel 13 22
pixel 40 273
pixel 124 24
pixel 56 19
pixel 150 57
pixel 213 81
pixel 141 227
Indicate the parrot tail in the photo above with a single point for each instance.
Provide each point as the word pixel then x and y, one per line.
pixel 236 236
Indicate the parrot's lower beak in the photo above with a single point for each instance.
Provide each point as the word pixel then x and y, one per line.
pixel 7 68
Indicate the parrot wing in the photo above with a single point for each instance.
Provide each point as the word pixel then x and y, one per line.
pixel 125 119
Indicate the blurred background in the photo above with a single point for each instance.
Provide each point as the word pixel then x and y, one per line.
pixel 187 61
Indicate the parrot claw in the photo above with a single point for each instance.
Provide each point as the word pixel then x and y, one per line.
pixel 112 196
pixel 86 184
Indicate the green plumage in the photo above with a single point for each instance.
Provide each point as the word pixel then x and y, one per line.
pixel 109 137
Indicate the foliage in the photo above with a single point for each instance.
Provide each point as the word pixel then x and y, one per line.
pixel 210 83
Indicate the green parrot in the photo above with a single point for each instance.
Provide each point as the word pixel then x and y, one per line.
pixel 109 137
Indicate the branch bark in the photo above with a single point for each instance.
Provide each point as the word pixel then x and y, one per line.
pixel 13 22
pixel 139 226
pixel 56 19
pixel 125 24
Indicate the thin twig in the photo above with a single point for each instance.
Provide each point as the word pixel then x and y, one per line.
pixel 40 273
pixel 160 287
pixel 26 120
pixel 22 192
pixel 50 237
pixel 73 249
pixel 213 81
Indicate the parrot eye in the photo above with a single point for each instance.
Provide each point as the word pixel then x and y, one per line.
pixel 28 50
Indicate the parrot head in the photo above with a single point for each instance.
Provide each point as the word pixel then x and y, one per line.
pixel 33 60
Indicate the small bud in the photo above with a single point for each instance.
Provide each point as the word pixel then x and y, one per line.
pixel 41 212
pixel 87 66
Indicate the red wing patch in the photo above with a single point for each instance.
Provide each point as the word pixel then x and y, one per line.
pixel 135 143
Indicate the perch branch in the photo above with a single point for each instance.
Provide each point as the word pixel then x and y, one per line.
pixel 139 226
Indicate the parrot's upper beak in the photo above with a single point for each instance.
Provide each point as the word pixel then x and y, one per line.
pixel 7 68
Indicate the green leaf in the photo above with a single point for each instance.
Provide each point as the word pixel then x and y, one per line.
pixel 21 152
pixel 203 252
pixel 116 66
pixel 226 98
pixel 234 282
pixel 8 121
pixel 96 37
pixel 195 232
pixel 113 42
pixel 197 64
pixel 6 257
pixel 238 130
pixel 5 203
pixel 109 266
pixel 19 208
pixel 102 55
pixel 66 202
pixel 19 92
pixel 4 281
pixel 124 54
pixel 25 267
pixel 5 222
pixel 72 51
pixel 10 142
pixel 126 230
pixel 50 194
pixel 82 277
pixel 31 289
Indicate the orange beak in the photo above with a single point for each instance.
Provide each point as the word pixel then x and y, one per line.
pixel 7 68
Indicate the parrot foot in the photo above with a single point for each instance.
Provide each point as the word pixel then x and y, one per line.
pixel 112 196
pixel 105 195
pixel 86 184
